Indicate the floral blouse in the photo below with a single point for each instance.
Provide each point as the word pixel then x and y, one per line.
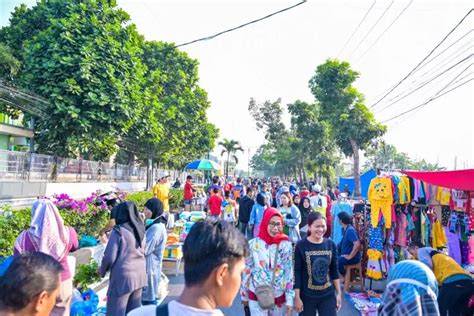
pixel 259 269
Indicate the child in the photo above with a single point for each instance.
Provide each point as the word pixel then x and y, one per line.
pixel 228 208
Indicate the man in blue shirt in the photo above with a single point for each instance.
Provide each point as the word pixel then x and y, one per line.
pixel 349 248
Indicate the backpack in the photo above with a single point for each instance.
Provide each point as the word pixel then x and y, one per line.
pixel 162 310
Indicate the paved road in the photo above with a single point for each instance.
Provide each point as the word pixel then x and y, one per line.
pixel 177 284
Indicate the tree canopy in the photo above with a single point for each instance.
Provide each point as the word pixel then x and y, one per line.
pixel 353 126
pixel 106 86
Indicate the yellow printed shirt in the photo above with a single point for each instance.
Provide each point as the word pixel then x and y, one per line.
pixel 162 192
pixel 443 196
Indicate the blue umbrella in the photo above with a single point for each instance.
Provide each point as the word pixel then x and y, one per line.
pixel 202 164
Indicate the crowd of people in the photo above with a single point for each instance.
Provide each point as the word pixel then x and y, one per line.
pixel 265 239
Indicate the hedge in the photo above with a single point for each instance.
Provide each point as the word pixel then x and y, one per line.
pixel 85 216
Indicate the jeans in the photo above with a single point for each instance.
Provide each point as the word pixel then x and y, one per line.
pixel 343 262
pixel 245 230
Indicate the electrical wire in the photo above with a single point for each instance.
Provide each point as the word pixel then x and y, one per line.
pixel 426 82
pixel 441 64
pixel 396 123
pixel 372 28
pixel 356 29
pixel 241 26
pixel 429 61
pixel 443 51
pixel 423 60
pixel 434 97
pixel 385 31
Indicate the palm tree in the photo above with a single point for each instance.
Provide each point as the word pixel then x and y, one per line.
pixel 231 147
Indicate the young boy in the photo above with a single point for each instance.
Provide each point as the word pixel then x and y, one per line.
pixel 215 203
pixel 228 208
pixel 214 259
pixel 30 285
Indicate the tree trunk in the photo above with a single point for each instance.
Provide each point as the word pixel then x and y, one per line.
pixel 227 165
pixel 355 150
pixel 305 180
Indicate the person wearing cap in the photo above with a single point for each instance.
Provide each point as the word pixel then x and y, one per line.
pixel 161 191
pixel 322 203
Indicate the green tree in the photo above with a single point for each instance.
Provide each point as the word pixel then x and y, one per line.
pixel 314 147
pixel 386 156
pixel 180 105
pixel 9 64
pixel 342 106
pixel 84 58
pixel 230 148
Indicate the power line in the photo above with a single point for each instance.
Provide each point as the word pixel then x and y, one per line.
pixel 443 63
pixel 357 28
pixel 427 63
pixel 373 26
pixel 434 97
pixel 427 82
pixel 385 31
pixel 423 60
pixel 443 51
pixel 241 26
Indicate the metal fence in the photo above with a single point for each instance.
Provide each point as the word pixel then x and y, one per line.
pixel 22 166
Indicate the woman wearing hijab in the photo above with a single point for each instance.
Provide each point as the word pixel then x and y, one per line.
pixel 256 215
pixel 48 234
pixel 412 290
pixel 305 209
pixel 154 250
pixel 291 215
pixel 124 257
pixel 270 263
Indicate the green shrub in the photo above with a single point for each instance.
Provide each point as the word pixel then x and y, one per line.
pixel 11 227
pixel 86 275
pixel 177 202
pixel 140 198
pixel 88 223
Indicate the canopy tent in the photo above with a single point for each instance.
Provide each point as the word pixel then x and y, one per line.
pixel 457 179
pixel 364 182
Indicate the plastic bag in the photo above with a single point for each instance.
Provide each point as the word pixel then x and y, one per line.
pixel 4 264
pixel 88 306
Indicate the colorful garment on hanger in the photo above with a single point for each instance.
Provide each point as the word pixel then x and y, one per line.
pixel 443 196
pixel 439 237
pixel 401 230
pixel 375 265
pixel 459 201
pixel 381 200
pixel 395 181
pixel 471 249
pixel 453 245
pixel 404 190
pixel 336 227
pixel 375 236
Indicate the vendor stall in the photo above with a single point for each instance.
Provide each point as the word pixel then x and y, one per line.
pixel 431 208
